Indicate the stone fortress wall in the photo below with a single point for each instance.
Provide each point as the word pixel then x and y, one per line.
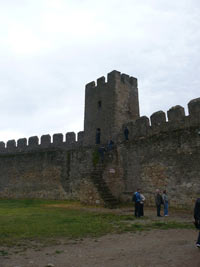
pixel 158 123
pixel 164 154
pixel 160 153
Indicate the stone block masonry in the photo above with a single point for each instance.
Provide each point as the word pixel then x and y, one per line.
pixel 163 152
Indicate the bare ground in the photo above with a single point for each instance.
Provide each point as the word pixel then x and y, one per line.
pixel 142 249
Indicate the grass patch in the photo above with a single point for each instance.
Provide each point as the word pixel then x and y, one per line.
pixel 37 219
pixel 158 225
pixel 59 251
pixel 43 219
pixel 171 225
pixel 3 253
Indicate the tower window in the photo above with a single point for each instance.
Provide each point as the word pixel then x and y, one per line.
pixel 99 104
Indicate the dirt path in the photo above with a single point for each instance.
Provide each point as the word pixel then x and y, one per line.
pixel 145 249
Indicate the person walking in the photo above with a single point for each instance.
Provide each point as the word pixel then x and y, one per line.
pixel 197 220
pixel 165 202
pixel 137 199
pixel 158 201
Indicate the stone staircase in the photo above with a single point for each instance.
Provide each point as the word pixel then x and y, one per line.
pixel 97 178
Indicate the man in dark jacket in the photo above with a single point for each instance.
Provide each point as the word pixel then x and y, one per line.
pixel 197 219
pixel 158 201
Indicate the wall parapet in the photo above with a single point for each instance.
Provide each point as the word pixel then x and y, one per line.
pixel 36 143
pixel 177 120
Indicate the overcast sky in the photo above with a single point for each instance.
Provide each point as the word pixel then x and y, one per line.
pixel 49 50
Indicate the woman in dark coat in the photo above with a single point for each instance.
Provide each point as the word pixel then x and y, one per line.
pixel 197 219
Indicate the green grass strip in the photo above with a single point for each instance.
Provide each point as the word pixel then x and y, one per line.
pixel 39 219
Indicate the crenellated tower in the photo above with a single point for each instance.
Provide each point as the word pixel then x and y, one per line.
pixel 108 105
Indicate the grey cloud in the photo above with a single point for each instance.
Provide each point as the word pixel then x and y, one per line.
pixel 43 70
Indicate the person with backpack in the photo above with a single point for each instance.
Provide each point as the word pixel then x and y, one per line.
pixel 197 220
pixel 137 199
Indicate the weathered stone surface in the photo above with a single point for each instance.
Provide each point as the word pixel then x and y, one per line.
pixel 176 113
pixel 45 140
pixel 70 138
pixel 142 126
pixel 158 118
pixel 89 194
pixel 22 143
pixel 168 162
pixel 11 145
pixel 2 146
pixel 194 107
pixel 81 137
pixel 58 139
pixel 33 141
pixel 47 174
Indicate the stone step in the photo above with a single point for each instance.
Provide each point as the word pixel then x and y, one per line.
pixel 96 176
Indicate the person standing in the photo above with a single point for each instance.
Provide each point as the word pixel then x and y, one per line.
pixel 142 205
pixel 165 202
pixel 101 153
pixel 110 145
pixel 158 201
pixel 126 133
pixel 197 220
pixel 137 199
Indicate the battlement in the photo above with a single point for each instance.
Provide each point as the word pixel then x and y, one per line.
pixel 112 78
pixel 177 120
pixel 36 143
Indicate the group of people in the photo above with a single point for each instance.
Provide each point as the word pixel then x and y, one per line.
pixel 160 200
